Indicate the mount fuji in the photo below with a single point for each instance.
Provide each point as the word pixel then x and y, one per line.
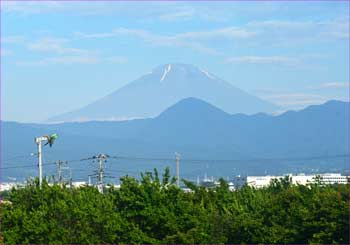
pixel 166 85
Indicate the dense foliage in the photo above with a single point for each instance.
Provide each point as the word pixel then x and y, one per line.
pixel 154 210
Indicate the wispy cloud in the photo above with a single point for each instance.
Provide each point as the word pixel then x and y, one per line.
pixel 31 7
pixel 151 38
pixel 279 30
pixel 282 60
pixel 278 24
pixel 302 97
pixel 57 45
pixel 332 85
pixel 71 60
pixel 265 91
pixel 86 59
pixel 145 11
pixel 116 59
pixel 62 60
pixel 227 33
pixel 177 15
pixel 296 99
pixel 60 51
pixel 186 39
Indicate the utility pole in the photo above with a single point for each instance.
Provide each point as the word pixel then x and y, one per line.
pixel 59 171
pixel 100 158
pixel 60 178
pixel 177 156
pixel 70 177
pixel 100 174
pixel 38 141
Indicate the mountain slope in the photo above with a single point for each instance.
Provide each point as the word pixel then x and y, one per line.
pixel 200 130
pixel 151 94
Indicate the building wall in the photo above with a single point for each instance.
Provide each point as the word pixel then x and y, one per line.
pixel 301 179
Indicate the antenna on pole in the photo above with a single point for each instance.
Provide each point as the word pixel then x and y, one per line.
pixel 177 156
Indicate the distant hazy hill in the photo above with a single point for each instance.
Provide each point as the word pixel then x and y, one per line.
pixel 199 130
pixel 152 93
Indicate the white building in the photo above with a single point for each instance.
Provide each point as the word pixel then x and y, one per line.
pixel 78 184
pixel 6 186
pixel 301 179
pixel 334 179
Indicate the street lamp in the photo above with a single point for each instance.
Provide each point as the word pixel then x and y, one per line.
pixel 50 139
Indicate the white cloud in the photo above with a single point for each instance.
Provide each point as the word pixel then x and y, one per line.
pixel 84 59
pixel 143 11
pixel 56 45
pixel 116 59
pixel 334 85
pixel 296 99
pixel 257 33
pixel 178 15
pixel 281 24
pixel 285 30
pixel 284 60
pixel 61 60
pixel 302 97
pixel 269 91
pixel 227 33
pixel 59 51
pixel 31 7
pixel 154 39
pixel 295 96
pixel 95 35
pixel 187 39
pixel 71 60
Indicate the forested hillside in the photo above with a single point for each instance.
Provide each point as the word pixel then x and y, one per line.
pixel 154 210
pixel 304 141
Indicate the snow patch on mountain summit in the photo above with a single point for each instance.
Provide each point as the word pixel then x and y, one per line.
pixel 166 71
pixel 207 74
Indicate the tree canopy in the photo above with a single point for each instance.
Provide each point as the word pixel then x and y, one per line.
pixel 154 210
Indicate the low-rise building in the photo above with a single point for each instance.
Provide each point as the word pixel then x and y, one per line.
pixel 6 186
pixel 78 184
pixel 330 178
pixel 301 179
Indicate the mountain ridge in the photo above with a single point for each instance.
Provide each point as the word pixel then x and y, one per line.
pixel 197 130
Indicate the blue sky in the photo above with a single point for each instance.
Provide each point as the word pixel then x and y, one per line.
pixel 60 56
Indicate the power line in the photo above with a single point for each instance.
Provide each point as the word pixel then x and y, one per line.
pixel 59 171
pixel 194 160
pixel 18 157
pixel 307 158
pixel 26 166
pixel 100 158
